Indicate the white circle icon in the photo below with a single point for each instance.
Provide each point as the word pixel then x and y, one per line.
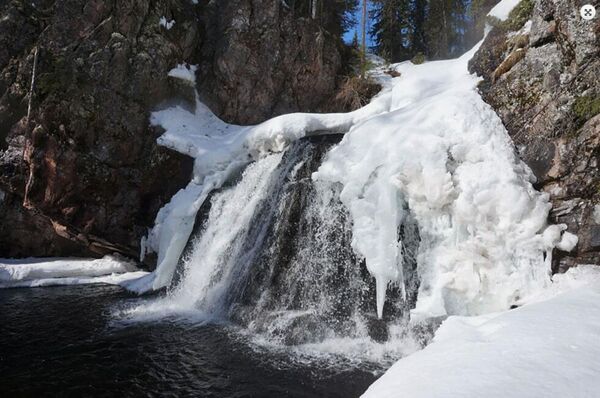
pixel 588 12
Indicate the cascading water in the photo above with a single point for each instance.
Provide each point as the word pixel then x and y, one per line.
pixel 274 255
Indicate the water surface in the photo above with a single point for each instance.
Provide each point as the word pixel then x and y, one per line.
pixel 64 341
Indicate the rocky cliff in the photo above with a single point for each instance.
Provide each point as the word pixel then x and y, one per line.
pixel 540 70
pixel 82 174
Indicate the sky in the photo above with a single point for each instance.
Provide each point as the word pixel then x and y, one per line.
pixel 357 28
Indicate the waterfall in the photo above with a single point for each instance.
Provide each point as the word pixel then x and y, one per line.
pixel 425 173
pixel 273 254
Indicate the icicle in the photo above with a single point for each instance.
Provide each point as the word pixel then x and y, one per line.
pixel 381 287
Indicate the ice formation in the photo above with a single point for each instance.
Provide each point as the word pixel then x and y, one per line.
pixel 33 272
pixel 444 154
pixel 427 146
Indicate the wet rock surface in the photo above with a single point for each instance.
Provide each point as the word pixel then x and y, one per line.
pixel 86 162
pixel 549 101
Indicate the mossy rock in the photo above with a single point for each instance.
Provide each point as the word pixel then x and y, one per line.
pixel 584 108
pixel 519 15
pixel 516 18
pixel 418 59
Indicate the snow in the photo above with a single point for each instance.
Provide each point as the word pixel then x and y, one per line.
pixel 547 348
pixel 32 272
pixel 184 72
pixel 35 272
pixel 166 24
pixel 111 279
pixel 567 242
pixel 525 30
pixel 503 8
pixel 35 268
pixel 444 154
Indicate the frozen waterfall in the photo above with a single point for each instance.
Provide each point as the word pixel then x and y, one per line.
pixel 427 150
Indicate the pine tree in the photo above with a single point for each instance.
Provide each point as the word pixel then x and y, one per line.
pixel 354 43
pixel 337 16
pixel 445 28
pixel 363 50
pixel 418 16
pixel 391 29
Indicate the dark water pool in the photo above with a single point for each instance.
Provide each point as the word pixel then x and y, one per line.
pixel 63 341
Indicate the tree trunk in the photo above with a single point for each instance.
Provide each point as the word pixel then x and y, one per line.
pixel 363 53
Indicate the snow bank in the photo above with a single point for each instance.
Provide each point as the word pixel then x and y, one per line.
pixel 112 279
pixel 503 8
pixel 544 349
pixel 33 272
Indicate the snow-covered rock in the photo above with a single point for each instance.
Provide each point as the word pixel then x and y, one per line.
pixel 184 72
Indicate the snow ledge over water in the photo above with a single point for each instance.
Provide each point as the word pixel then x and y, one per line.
pixel 37 272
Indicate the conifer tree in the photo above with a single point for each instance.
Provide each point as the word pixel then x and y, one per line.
pixel 418 38
pixel 445 28
pixel 391 29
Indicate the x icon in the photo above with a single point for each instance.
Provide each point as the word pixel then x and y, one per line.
pixel 587 12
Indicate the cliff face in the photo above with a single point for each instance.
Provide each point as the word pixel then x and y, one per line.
pixel 83 175
pixel 269 61
pixel 542 79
